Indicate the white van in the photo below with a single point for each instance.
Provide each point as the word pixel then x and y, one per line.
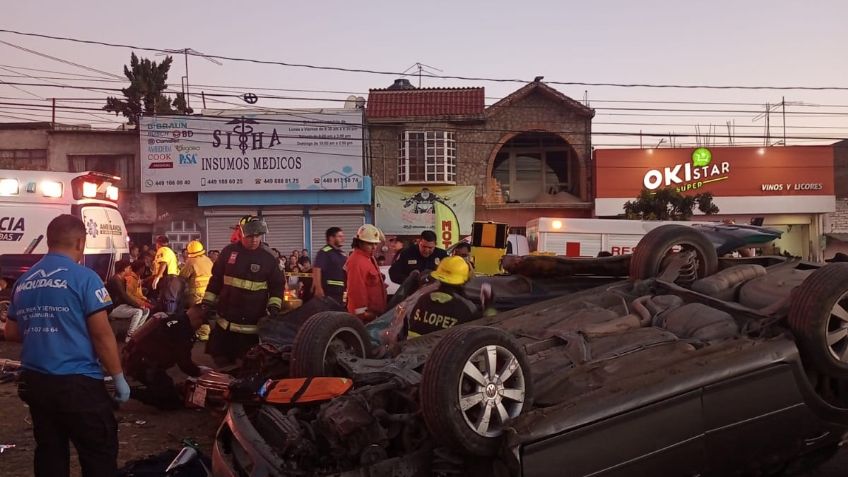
pixel 588 237
pixel 29 200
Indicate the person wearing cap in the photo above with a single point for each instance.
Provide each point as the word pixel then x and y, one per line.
pixel 366 288
pixel 446 306
pixel 246 285
pixel 197 271
pixel 422 256
pixel 165 263
pixel 125 305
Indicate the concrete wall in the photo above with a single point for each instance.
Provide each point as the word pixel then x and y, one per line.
pixel 23 139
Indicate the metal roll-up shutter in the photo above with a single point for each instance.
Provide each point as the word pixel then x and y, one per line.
pixel 285 232
pixel 219 229
pixel 320 223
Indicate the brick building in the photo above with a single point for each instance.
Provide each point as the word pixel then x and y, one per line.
pixel 528 155
pixel 836 224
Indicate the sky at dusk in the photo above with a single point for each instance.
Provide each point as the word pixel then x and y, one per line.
pixel 750 43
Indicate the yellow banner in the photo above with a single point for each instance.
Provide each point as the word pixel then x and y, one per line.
pixel 447 226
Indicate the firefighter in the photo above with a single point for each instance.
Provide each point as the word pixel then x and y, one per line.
pixel 328 269
pixel 366 288
pixel 445 306
pixel 246 285
pixel 197 271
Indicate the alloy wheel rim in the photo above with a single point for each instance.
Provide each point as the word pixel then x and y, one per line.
pixel 491 390
pixel 837 330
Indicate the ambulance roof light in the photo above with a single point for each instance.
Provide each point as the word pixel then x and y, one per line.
pixel 51 189
pixel 9 187
pixel 89 189
pixel 112 193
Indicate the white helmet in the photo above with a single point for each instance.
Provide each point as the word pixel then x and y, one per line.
pixel 370 234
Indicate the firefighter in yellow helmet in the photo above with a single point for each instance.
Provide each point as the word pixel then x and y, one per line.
pixel 246 285
pixel 445 306
pixel 197 271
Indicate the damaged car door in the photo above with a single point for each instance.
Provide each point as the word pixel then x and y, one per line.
pixel 664 438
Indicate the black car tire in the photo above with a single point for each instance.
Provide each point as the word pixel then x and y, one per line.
pixel 647 259
pixel 814 317
pixel 446 382
pixel 312 352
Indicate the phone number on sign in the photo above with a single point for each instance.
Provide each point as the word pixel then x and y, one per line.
pixel 175 182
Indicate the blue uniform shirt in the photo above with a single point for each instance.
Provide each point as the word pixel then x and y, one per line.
pixel 51 304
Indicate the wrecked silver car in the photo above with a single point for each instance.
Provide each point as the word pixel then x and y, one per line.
pixel 695 365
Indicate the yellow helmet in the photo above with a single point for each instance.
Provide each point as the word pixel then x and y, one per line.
pixel 453 271
pixel 195 248
pixel 369 233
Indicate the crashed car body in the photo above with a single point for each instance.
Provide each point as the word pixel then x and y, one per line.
pixel 694 366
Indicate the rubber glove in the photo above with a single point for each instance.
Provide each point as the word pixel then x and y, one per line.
pixel 122 389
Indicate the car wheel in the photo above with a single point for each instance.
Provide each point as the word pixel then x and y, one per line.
pixel 475 381
pixel 818 317
pixel 656 245
pixel 319 340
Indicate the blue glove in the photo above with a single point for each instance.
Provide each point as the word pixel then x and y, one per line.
pixel 122 389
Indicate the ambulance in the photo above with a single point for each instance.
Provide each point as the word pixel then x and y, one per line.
pixel 29 200
pixel 588 237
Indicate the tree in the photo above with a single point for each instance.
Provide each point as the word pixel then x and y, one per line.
pixel 668 204
pixel 145 94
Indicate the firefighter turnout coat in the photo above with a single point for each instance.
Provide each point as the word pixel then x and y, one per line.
pixel 244 284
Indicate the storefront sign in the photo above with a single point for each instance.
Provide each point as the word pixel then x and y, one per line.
pixel 794 179
pixel 411 210
pixel 306 151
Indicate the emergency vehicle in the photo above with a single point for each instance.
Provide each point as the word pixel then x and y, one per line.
pixel 588 237
pixel 29 200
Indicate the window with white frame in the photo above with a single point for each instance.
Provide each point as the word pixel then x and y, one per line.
pixel 427 157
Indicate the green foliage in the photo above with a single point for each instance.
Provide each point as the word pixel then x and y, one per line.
pixel 145 94
pixel 668 204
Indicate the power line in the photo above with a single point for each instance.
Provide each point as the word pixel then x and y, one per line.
pixel 60 60
pixel 461 78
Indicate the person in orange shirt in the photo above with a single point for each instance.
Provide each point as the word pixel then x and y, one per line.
pixel 366 287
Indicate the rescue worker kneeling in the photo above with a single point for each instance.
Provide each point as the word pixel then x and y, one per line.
pixel 162 342
pixel 446 306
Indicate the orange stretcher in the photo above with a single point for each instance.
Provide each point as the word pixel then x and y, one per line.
pixel 304 390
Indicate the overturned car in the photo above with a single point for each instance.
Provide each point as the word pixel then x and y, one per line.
pixel 694 366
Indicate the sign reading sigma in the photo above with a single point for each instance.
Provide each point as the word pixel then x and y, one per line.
pixel 269 152
pixel 689 176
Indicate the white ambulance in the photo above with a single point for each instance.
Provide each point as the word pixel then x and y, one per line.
pixel 588 237
pixel 29 200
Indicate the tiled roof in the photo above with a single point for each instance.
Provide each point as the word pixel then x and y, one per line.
pixel 426 102
pixel 525 91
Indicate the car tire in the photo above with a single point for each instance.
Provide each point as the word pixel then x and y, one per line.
pixel 818 317
pixel 449 383
pixel 647 259
pixel 312 353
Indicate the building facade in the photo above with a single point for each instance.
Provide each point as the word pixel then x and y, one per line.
pixel 787 188
pixel 526 156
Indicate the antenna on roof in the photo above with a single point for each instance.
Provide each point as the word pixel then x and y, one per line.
pixel 422 68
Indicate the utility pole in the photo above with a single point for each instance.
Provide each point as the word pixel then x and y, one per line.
pixel 783 103
pixel 53 121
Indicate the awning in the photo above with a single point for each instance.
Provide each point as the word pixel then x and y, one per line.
pixel 842 237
